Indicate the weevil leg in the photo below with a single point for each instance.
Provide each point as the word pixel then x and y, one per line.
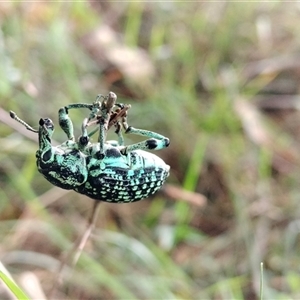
pixel 103 127
pixel 66 123
pixel 156 141
pixel 102 136
pixel 118 131
pixel 84 139
pixel 104 119
pixel 104 108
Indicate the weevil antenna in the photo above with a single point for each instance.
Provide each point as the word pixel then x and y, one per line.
pixel 14 116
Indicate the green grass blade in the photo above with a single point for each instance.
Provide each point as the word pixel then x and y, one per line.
pixel 261 292
pixel 13 287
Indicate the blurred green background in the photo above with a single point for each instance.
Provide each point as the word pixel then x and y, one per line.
pixel 221 80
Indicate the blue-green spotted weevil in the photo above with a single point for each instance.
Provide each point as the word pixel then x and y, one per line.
pixel 104 170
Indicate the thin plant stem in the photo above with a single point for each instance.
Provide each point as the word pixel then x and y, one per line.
pixel 261 281
pixel 74 253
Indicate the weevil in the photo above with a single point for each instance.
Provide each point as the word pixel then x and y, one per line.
pixel 105 170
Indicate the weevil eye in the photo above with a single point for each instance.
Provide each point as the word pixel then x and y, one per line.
pixel 47 123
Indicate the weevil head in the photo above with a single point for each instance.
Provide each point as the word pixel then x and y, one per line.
pixel 46 130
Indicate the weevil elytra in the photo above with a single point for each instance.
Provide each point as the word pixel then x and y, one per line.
pixel 106 170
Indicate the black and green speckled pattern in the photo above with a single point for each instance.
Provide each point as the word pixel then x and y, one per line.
pixel 106 171
pixel 63 169
pixel 121 186
pixel 124 178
